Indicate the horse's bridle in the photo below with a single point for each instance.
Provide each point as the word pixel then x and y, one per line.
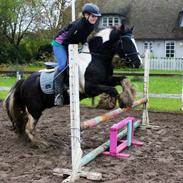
pixel 127 55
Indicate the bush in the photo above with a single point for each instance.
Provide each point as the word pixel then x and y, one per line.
pixel 119 63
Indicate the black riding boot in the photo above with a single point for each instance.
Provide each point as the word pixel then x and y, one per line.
pixel 59 84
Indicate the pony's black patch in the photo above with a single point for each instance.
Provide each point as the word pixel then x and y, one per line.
pixel 95 44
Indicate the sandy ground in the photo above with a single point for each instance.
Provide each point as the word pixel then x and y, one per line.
pixel 159 160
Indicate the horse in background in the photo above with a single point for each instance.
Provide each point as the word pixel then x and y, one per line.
pixel 26 100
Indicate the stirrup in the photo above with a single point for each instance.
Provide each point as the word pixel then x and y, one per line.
pixel 59 100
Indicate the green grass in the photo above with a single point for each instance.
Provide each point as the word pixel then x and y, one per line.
pixel 169 85
pixel 160 104
pixel 7 81
pixel 3 95
pixel 142 71
pixel 161 85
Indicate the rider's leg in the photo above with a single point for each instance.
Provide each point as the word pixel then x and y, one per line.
pixel 61 56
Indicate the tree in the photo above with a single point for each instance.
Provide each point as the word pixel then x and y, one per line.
pixel 21 18
pixel 52 13
pixel 17 17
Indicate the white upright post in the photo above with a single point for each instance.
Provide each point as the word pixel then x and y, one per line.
pixel 18 75
pixel 145 116
pixel 73 10
pixel 182 96
pixel 74 111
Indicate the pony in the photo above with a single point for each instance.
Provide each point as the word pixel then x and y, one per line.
pixel 26 101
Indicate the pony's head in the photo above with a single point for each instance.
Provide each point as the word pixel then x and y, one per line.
pixel 126 46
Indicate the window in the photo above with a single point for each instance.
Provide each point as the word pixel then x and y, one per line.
pixel 148 45
pixel 104 21
pixel 116 21
pixel 181 21
pixel 170 49
pixel 110 21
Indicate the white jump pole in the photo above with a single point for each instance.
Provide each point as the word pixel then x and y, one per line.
pixel 145 115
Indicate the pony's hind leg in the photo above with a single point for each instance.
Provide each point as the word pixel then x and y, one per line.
pixel 29 129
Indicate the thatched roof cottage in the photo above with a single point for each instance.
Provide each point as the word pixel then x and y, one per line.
pixel 158 23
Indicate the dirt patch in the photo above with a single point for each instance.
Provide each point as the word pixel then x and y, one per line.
pixel 159 160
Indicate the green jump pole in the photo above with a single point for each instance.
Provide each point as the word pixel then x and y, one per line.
pixel 93 154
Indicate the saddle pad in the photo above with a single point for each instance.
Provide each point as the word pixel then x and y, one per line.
pixel 46 82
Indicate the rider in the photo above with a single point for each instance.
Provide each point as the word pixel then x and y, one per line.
pixel 75 33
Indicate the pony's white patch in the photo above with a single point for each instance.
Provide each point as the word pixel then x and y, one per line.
pixel 133 40
pixel 104 34
pixel 11 103
pixel 29 125
pixel 83 61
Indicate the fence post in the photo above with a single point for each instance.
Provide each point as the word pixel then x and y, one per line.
pixel 182 96
pixel 145 116
pixel 74 111
pixel 18 75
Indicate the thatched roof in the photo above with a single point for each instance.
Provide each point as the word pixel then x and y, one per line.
pixel 153 19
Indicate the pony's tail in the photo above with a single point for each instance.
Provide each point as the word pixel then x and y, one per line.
pixel 16 108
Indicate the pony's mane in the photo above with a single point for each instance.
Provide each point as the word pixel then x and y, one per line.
pixel 122 30
pixel 110 33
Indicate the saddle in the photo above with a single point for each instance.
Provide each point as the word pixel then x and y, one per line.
pixel 46 81
pixel 47 78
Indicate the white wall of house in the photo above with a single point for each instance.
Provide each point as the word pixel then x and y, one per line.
pixel 158 48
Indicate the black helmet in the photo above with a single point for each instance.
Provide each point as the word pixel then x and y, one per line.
pixel 92 9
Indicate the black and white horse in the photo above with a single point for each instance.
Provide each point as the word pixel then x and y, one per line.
pixel 26 101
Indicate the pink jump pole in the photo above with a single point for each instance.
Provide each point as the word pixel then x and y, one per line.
pixel 115 149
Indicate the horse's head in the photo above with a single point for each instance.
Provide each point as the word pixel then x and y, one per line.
pixel 126 46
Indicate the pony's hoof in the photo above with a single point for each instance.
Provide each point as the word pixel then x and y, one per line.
pixel 106 102
pixel 39 144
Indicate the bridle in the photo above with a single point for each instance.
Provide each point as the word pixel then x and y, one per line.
pixel 127 55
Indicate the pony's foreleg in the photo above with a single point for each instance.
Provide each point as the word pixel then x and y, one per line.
pixel 29 129
pixel 127 97
pixel 107 101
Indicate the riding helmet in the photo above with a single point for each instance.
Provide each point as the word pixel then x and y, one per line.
pixel 92 9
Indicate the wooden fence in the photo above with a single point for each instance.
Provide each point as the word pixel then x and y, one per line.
pixel 169 64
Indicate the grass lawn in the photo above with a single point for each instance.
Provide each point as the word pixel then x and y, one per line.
pixel 169 85
pixel 157 85
pixel 7 81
